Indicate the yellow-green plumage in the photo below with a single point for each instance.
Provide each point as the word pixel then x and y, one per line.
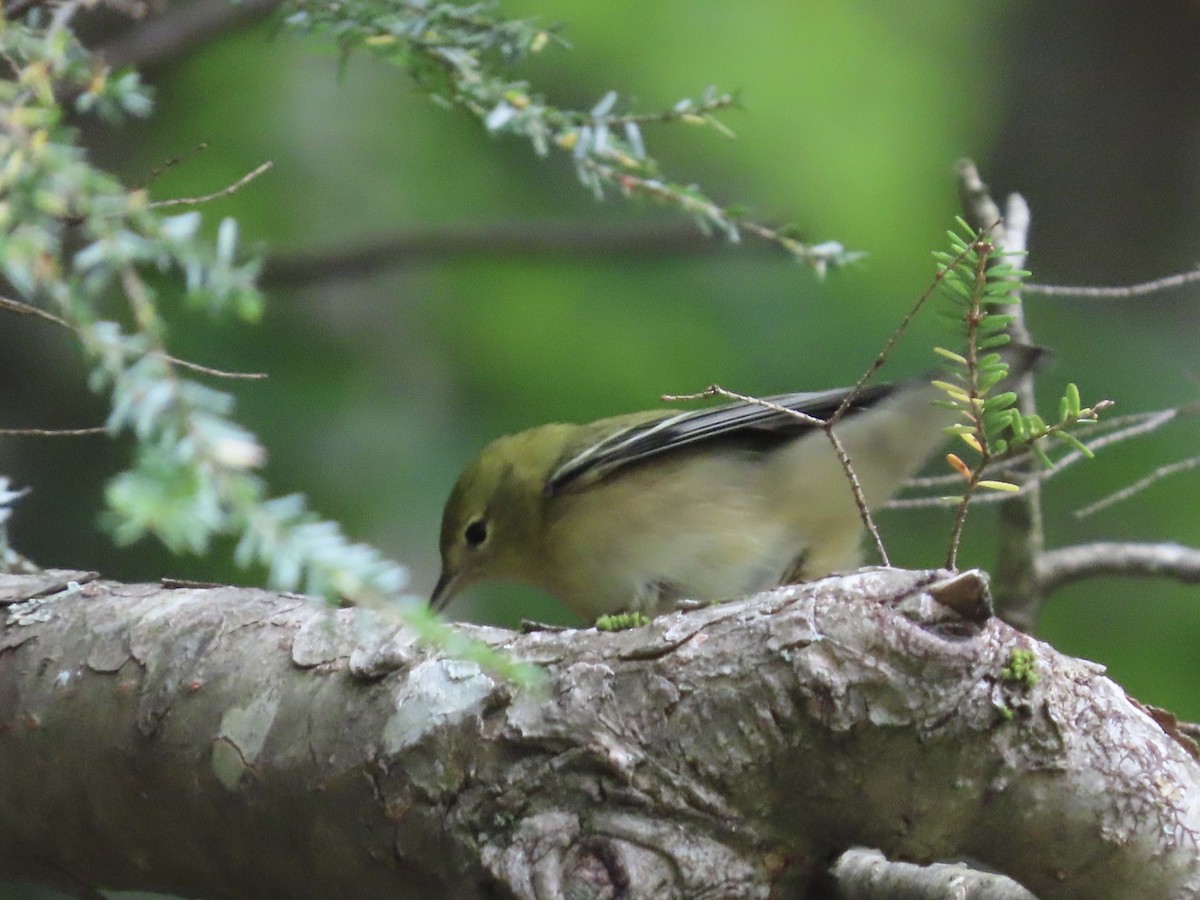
pixel 640 511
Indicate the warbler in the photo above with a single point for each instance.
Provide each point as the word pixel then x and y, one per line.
pixel 638 512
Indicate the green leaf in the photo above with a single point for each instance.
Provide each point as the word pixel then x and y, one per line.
pixel 958 288
pixel 1071 441
pixel 950 355
pixel 952 317
pixel 951 390
pixel 1006 486
pixel 1000 401
pixel 988 380
pixel 994 322
pixel 1000 420
pixel 1071 399
pixel 1019 427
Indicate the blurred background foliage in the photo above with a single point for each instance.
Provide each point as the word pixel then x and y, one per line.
pixel 384 382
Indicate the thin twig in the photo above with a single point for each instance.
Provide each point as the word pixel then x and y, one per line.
pixel 715 390
pixel 52 432
pixel 158 171
pixel 657 237
pixel 224 192
pixel 943 502
pixel 1055 568
pixel 1138 424
pixel 860 499
pixel 208 370
pixel 138 295
pixel 715 215
pixel 897 333
pixel 1117 431
pixel 27 309
pixel 1142 423
pixel 1116 293
pixel 13 65
pixel 1138 486
pixel 878 363
pixel 698 114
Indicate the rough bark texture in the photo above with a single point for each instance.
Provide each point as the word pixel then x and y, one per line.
pixel 233 743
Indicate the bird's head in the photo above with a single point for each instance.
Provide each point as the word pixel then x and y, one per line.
pixel 493 521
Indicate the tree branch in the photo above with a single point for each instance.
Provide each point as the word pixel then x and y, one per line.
pixel 503 239
pixel 1123 292
pixel 867 875
pixel 223 741
pixel 1056 568
pixel 1164 471
pixel 172 36
pixel 17 8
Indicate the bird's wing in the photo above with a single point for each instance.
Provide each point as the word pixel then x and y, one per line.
pixel 758 425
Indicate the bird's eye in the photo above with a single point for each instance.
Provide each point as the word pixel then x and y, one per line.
pixel 476 532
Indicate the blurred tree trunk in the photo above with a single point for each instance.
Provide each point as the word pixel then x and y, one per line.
pixel 1101 113
pixel 227 742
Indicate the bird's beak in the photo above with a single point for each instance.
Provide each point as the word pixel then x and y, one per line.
pixel 444 591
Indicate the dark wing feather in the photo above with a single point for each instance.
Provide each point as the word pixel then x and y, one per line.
pixel 760 427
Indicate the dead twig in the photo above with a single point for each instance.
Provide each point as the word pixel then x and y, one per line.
pixel 216 195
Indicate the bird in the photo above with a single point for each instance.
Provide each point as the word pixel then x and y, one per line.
pixel 644 511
